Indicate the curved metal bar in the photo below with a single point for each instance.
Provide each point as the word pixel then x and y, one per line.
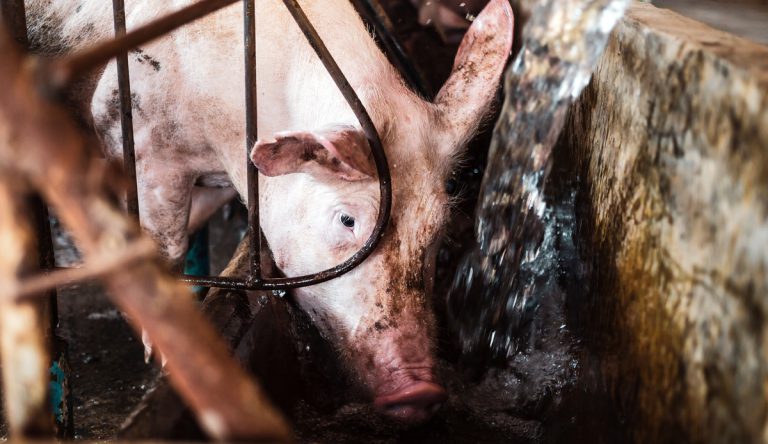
pixel 382 168
pixel 61 72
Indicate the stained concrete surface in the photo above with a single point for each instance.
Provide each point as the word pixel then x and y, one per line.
pixel 745 18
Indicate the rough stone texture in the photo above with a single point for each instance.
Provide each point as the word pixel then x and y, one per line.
pixel 745 18
pixel 671 141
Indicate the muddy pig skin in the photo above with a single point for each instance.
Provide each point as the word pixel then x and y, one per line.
pixel 319 191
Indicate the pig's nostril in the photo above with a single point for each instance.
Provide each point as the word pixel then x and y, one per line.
pixel 413 404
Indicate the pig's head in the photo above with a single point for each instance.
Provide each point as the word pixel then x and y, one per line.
pixel 323 202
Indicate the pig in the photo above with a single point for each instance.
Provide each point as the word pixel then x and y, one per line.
pixel 319 193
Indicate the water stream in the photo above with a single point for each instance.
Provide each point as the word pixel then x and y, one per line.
pixel 496 289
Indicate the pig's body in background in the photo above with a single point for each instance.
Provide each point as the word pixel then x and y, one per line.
pixel 319 193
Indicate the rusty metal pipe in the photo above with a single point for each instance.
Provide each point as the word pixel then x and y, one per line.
pixel 13 13
pixel 251 131
pixel 23 324
pixel 126 113
pixel 382 168
pixel 63 71
pixel 51 152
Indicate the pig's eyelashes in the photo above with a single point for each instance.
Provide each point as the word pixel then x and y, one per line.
pixel 347 220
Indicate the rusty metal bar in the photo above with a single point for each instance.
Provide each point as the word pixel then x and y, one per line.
pixel 50 150
pixel 126 112
pixel 63 71
pixel 46 258
pixel 12 12
pixel 385 185
pixel 23 345
pixel 31 287
pixel 251 135
pixel 26 327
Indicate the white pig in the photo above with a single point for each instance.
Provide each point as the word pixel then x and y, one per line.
pixel 319 191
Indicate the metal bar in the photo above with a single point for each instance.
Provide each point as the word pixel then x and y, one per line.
pixel 385 185
pixel 23 346
pixel 376 17
pixel 251 135
pixel 53 154
pixel 126 113
pixel 46 258
pixel 63 71
pixel 14 15
pixel 32 286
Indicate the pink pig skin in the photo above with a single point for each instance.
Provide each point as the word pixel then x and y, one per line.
pixel 319 194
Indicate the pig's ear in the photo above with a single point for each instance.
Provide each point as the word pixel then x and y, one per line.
pixel 340 152
pixel 467 95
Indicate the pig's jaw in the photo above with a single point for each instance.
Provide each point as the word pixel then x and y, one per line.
pixel 393 364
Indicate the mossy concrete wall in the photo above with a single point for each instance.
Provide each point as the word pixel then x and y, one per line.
pixel 671 142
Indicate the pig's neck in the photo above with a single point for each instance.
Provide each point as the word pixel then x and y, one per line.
pixel 295 90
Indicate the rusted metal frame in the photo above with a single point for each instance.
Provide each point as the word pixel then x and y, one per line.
pixel 385 185
pixel 24 347
pixel 126 113
pixel 50 151
pixel 251 135
pixel 376 17
pixel 63 71
pixel 26 327
pixel 31 287
pixel 13 14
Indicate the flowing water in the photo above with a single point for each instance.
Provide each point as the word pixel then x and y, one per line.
pixel 497 287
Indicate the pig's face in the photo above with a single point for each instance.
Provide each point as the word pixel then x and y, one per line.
pixel 379 315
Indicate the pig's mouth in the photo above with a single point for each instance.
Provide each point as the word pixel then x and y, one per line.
pixel 413 404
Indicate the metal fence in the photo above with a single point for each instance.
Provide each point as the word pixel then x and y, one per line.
pixel 77 64
pixel 47 79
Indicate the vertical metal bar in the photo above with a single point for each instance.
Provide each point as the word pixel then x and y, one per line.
pixel 14 15
pixel 28 328
pixel 126 113
pixel 251 134
pixel 23 346
pixel 45 253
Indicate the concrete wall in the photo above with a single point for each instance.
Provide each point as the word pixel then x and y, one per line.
pixel 671 141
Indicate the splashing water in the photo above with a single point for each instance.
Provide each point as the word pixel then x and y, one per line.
pixel 493 296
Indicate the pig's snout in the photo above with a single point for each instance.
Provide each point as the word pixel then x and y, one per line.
pixel 413 404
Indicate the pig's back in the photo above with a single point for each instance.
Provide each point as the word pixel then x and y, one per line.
pixel 61 26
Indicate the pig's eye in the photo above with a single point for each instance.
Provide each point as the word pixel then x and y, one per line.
pixel 347 220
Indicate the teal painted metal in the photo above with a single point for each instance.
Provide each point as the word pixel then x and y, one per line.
pixel 198 259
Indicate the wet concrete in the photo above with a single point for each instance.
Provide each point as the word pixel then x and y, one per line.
pixel 745 18
pixel 673 163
